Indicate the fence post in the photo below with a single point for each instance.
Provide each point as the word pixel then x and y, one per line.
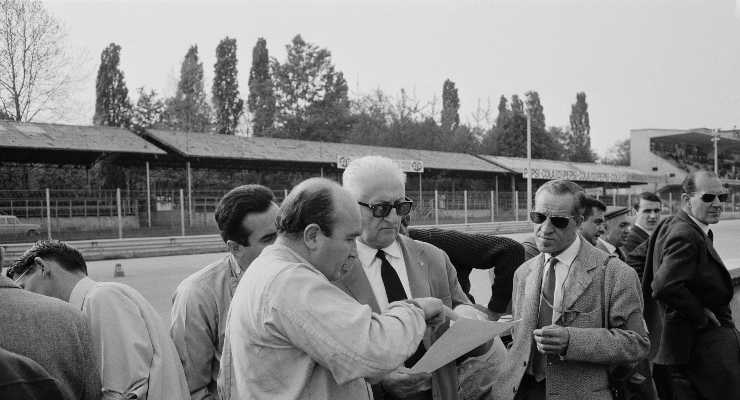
pixel 516 206
pixel 148 198
pixel 614 197
pixel 182 214
pixel 436 207
pixel 493 210
pixel 48 214
pixel 629 199
pixel 465 205
pixel 118 209
pixel 670 201
pixel 734 211
pixel 285 194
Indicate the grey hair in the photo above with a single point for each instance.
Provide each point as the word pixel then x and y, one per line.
pixel 689 183
pixel 368 168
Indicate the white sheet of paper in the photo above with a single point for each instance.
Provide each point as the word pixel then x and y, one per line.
pixel 462 337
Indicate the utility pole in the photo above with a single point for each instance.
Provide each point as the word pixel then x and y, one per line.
pixel 715 139
pixel 529 162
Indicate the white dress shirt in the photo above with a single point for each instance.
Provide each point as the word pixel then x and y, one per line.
pixel 704 227
pixel 562 267
pixel 371 264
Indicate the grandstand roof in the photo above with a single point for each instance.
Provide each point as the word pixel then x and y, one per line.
pixel 203 145
pixel 582 172
pixel 69 144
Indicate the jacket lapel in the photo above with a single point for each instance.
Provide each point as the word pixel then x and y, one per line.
pixel 356 284
pixel 532 285
pixel 581 275
pixel 710 246
pixel 416 269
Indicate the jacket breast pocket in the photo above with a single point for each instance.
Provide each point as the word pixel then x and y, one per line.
pixel 582 319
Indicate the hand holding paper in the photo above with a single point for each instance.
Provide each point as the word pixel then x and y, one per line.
pixel 462 337
pixel 403 382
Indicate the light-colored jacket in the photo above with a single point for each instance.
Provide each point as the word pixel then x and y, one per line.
pixel 582 373
pixel 431 274
pixel 198 322
pixel 292 334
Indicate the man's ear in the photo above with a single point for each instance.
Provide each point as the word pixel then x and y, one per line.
pixel 232 246
pixel 311 236
pixel 41 264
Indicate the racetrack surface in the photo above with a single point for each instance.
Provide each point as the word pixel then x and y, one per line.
pixel 157 277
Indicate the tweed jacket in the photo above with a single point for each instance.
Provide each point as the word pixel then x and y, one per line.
pixel 683 275
pixel 431 274
pixel 479 251
pixel 582 372
pixel 617 251
pixel 52 333
pixel 635 238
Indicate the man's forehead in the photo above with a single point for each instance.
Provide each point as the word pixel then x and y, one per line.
pixel 649 204
pixel 709 184
pixel 382 189
pixel 556 202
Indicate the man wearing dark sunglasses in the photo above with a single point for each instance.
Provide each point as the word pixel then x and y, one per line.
pixel 687 292
pixel 390 267
pixel 561 346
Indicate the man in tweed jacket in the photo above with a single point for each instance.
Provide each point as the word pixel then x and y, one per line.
pixel 561 349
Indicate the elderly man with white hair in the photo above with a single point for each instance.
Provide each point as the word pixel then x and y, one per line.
pixel 390 267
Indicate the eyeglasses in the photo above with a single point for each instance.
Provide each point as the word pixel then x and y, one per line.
pixel 557 221
pixel 18 278
pixel 709 197
pixel 381 210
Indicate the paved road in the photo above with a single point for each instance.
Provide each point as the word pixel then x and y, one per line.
pixel 157 277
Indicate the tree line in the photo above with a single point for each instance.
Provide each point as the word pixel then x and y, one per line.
pixel 303 97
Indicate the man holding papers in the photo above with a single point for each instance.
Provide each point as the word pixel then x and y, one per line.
pixel 580 309
pixel 390 267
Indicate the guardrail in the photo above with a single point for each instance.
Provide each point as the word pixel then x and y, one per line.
pixel 197 244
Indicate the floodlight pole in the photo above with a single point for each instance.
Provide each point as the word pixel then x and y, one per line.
pixel 715 139
pixel 529 161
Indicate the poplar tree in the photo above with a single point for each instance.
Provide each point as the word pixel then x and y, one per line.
pixel 226 101
pixel 112 107
pixel 579 147
pixel 450 119
pixel 261 100
pixel 188 111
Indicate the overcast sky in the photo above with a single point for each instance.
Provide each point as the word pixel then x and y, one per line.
pixel 642 64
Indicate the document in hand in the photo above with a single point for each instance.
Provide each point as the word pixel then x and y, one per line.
pixel 462 337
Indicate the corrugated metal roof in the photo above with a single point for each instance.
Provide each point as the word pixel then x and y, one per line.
pixel 271 149
pixel 69 137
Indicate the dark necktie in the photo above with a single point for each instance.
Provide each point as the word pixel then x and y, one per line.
pixel 394 291
pixel 391 281
pixel 711 235
pixel 547 298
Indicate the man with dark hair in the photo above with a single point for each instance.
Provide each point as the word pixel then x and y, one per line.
pixel 51 333
pixel 246 221
pixel 647 210
pixel 291 333
pixel 618 222
pixel 593 225
pixel 687 291
pixel 136 355
pixel 564 296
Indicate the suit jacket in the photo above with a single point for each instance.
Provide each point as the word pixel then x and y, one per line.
pixel 479 251
pixel 635 238
pixel 52 333
pixel 683 275
pixel 617 251
pixel 431 274
pixel 582 372
pixel 24 379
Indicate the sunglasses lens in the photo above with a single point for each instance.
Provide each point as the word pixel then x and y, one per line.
pixel 404 208
pixel 537 218
pixel 707 197
pixel 724 197
pixel 381 210
pixel 560 222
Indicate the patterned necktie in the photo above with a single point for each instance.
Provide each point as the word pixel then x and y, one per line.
pixel 391 281
pixel 394 291
pixel 547 300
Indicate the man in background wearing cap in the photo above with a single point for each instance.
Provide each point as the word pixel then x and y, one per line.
pixel 618 223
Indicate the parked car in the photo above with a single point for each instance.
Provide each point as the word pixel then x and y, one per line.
pixel 11 225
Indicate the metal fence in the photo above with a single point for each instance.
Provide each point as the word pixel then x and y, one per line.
pixel 78 215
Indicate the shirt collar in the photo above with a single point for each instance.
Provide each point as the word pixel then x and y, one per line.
pixel 612 248
pixel 704 227
pixel 236 270
pixel 366 254
pixel 569 254
pixel 80 291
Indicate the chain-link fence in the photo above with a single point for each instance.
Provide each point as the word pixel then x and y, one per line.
pixel 78 215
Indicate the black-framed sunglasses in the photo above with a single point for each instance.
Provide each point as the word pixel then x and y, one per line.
pixel 560 222
pixel 381 210
pixel 709 197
